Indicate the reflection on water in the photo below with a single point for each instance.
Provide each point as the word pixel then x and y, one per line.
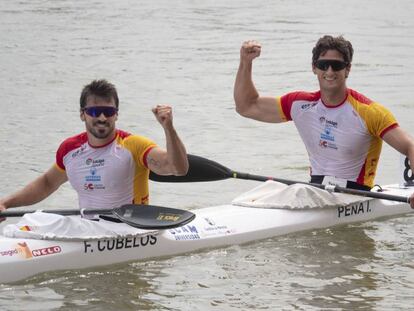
pixel 31 297
pixel 298 271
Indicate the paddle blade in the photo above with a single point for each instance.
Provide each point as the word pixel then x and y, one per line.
pixel 201 169
pixel 152 217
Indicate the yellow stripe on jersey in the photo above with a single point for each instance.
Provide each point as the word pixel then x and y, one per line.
pixel 377 119
pixel 280 110
pixel 138 146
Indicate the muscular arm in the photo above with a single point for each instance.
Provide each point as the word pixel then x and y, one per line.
pixel 404 143
pixel 248 101
pixel 37 190
pixel 172 161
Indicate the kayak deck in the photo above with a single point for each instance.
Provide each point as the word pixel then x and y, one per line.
pixel 216 226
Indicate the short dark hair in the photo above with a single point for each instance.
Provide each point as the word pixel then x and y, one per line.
pixel 99 88
pixel 333 43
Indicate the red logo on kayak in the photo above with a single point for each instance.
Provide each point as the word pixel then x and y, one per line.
pixel 24 250
pixel 46 251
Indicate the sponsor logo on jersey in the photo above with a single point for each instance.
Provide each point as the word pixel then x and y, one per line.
pixel 91 186
pixel 95 163
pixel 327 144
pixel 79 151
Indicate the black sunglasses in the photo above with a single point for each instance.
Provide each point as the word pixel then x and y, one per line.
pixel 336 65
pixel 96 111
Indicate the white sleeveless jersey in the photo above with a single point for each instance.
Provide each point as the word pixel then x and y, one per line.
pixel 342 141
pixel 108 176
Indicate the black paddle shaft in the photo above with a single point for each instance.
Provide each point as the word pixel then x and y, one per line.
pixel 333 188
pixel 202 169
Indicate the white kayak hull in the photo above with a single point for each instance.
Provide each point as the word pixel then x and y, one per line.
pixel 213 227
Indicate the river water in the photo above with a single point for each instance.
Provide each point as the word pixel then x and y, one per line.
pixel 186 53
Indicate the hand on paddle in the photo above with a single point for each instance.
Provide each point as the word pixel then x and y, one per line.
pixel 2 209
pixel 250 50
pixel 164 116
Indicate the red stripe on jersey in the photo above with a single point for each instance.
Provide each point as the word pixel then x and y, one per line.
pixel 122 133
pixel 360 179
pixel 359 97
pixel 68 145
pixel 288 100
pixel 393 126
pixel 144 158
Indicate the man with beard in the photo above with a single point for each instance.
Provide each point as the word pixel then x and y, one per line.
pixel 106 166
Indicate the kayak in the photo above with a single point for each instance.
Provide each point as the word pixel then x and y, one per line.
pixel 213 227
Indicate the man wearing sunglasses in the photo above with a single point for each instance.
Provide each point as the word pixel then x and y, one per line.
pixel 107 167
pixel 341 128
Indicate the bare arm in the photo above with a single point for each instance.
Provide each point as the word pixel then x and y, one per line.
pixel 248 101
pixel 404 143
pixel 37 190
pixel 172 161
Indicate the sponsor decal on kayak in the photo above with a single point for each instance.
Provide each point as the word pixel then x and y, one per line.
pixel 185 233
pixel 191 232
pixel 354 209
pixel 27 228
pixel 10 252
pixel 23 250
pixel 46 251
pixel 213 229
pixel 117 244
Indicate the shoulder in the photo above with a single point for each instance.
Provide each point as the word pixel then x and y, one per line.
pixel 123 134
pixel 70 145
pixel 129 138
pixel 133 142
pixel 138 145
pixel 301 96
pixel 377 118
pixel 293 102
pixel 73 142
pixel 362 103
pixel 359 98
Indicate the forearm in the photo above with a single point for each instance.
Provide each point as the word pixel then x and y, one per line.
pixel 176 154
pixel 33 193
pixel 245 93
pixel 410 156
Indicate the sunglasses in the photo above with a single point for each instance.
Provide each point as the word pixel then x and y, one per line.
pixel 96 111
pixel 336 65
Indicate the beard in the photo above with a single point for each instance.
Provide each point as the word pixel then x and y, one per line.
pixel 100 130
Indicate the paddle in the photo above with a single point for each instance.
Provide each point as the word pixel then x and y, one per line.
pixel 135 215
pixel 202 169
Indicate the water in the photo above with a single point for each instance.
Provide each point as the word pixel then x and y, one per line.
pixel 186 54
